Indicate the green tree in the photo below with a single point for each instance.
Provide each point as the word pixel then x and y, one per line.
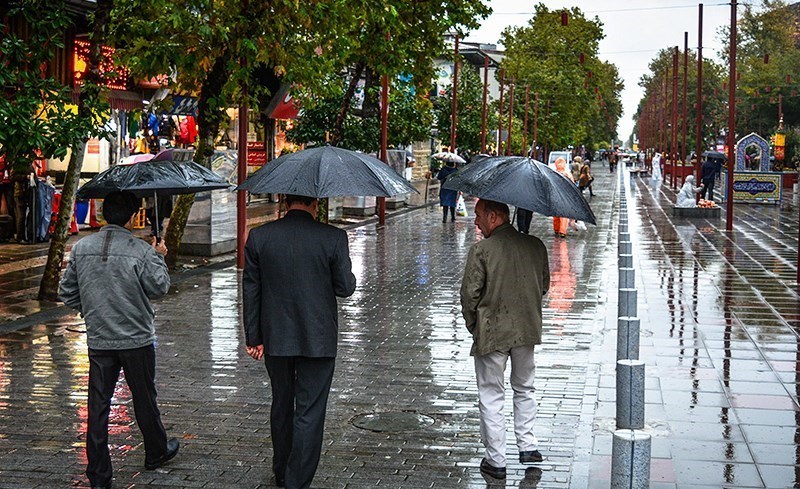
pixel 219 49
pixel 560 62
pixel 768 60
pixel 38 114
pixel 409 119
pixel 470 111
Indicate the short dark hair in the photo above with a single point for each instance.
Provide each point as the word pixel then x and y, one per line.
pixel 498 208
pixel 303 199
pixel 118 207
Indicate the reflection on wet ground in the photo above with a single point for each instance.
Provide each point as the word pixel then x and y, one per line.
pixel 719 318
pixel 720 338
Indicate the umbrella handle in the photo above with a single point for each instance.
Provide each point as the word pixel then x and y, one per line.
pixel 155 212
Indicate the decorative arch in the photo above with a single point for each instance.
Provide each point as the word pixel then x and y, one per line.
pixel 746 141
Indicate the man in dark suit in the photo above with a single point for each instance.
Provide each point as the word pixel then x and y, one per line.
pixel 295 268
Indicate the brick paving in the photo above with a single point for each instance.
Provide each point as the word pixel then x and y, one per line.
pixel 719 338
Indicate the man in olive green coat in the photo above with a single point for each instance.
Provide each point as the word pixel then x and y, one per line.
pixel 506 275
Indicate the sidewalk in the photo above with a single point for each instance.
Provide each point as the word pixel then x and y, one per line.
pixel 718 317
pixel 22 266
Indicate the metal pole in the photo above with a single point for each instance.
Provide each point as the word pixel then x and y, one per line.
pixel 241 195
pixel 510 116
pixel 384 137
pixel 525 124
pixel 535 125
pixel 500 111
pixel 684 153
pixel 731 120
pixel 674 132
pixel 699 118
pixel 454 115
pixel 485 95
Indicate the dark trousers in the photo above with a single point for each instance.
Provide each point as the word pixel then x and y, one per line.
pixel 708 189
pixel 452 213
pixel 300 387
pixel 139 365
pixel 524 217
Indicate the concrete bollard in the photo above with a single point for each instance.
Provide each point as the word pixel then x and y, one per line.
pixel 627 277
pixel 630 394
pixel 626 261
pixel 627 306
pixel 630 460
pixel 628 338
pixel 625 247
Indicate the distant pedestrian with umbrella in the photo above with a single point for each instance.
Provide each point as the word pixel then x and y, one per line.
pixel 447 198
pixel 708 174
pixel 506 275
pixel 111 277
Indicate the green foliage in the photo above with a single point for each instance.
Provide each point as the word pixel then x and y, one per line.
pixel 470 111
pixel 546 56
pixel 409 120
pixel 37 112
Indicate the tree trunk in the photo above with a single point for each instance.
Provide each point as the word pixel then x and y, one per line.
pixel 336 133
pixel 48 288
pixel 208 121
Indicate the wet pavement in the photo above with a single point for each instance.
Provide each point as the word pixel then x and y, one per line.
pixel 719 336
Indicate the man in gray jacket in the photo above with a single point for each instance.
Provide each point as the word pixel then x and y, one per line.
pixel 506 275
pixel 111 278
pixel 294 270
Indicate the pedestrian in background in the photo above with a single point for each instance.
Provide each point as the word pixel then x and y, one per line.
pixel 560 223
pixel 295 268
pixel 708 175
pixel 111 278
pixel 447 198
pixel 575 167
pixel 524 218
pixel 585 179
pixel 506 275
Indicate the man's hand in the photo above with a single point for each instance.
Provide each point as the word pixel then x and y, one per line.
pixel 159 246
pixel 255 352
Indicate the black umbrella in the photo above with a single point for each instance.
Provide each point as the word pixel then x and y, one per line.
pixel 327 171
pixel 524 183
pixel 159 176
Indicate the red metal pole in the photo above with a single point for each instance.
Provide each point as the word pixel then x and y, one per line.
pixel 674 132
pixel 699 118
pixel 684 153
pixel 525 124
pixel 384 137
pixel 241 174
pixel 454 115
pixel 732 125
pixel 510 116
pixel 500 112
pixel 485 95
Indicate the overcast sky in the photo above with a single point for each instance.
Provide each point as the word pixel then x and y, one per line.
pixel 635 31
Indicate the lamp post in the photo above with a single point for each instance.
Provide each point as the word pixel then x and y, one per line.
pixel 732 122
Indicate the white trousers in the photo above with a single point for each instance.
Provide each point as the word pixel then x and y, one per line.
pixel 490 370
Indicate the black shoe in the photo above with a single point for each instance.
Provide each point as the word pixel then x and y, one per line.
pixel 172 450
pixel 530 457
pixel 280 481
pixel 492 471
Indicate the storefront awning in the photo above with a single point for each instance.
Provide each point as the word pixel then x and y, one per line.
pixel 125 100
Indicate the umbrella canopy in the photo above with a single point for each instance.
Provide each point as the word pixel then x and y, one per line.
pixel 327 171
pixel 129 160
pixel 524 183
pixel 714 155
pixel 154 177
pixel 449 157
